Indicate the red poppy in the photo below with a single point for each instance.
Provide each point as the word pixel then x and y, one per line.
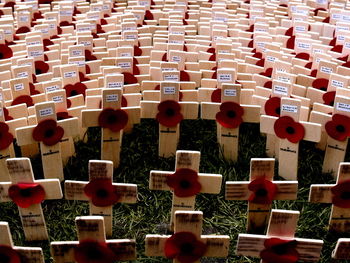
pixel 327 19
pixel 184 182
pixel 7 114
pixel 76 89
pixel 10 4
pixel 169 113
pixel 22 30
pixel 273 106
pixel 320 84
pixel 263 191
pixel 184 76
pixel 32 89
pixel 26 194
pixel 211 50
pixel 216 96
pixel 268 84
pixel 47 42
pixel 89 56
pixel 333 42
pixel 251 44
pixel 48 132
pixel 9 254
pixel 319 9
pixel 40 2
pixel 251 28
pixel 41 67
pixel 212 57
pixel 129 78
pixel 257 54
pixel 82 77
pixel 184 247
pixel 289 32
pixel 260 63
pixel 337 48
pixel 66 23
pixel 101 192
pixel 76 11
pixel 286 128
pixel 148 15
pixel 164 57
pixel 341 194
pixel 137 51
pixel 230 115
pixel 291 42
pixel 92 251
pixel 115 120
pixel 23 99
pixel 328 98
pixel 6 138
pixel 63 115
pixel 279 250
pixel 37 15
pixel 339 127
pixel 308 65
pixel 99 29
pixel 344 58
pixel 267 72
pixel 5 51
pixel 304 56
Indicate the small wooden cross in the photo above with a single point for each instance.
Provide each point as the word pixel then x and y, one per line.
pixel 290 131
pixel 279 241
pixel 337 195
pixel 186 182
pixel 229 114
pixel 17 254
pixel 187 242
pixel 28 193
pixel 92 244
pixel 101 192
pixel 169 112
pixel 260 191
pixel 112 119
pixel 342 249
pixel 49 132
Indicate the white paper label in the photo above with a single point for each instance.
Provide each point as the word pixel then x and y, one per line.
pixel 112 85
pixel 171 77
pixel 132 37
pixel 300 29
pixel 230 92
pixel 85 43
pixel 326 70
pixel 270 58
pixel 33 43
pixel 169 69
pixel 51 88
pixel 36 53
pixel 111 97
pixel 304 45
pixel 289 108
pixel 280 90
pixel 71 74
pixel 57 98
pixel 1 97
pixel 66 13
pixel 347 44
pixel 19 86
pixel 124 64
pixel 46 112
pixel 45 30
pixel 125 54
pixel 143 3
pixel 77 53
pixel 337 83
pixel 343 106
pixel 24 18
pixel 22 74
pixel 284 79
pixel 169 90
pixel 1 112
pixel 225 77
pixel 176 58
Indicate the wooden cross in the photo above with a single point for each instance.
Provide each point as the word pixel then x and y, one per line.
pixel 260 191
pixel 92 244
pixel 169 112
pixel 187 236
pixel 28 193
pixel 342 249
pixel 282 226
pixel 112 119
pixel 229 114
pixel 102 199
pixel 21 254
pixel 290 131
pixel 186 182
pixel 337 195
pixel 49 133
pixel 7 132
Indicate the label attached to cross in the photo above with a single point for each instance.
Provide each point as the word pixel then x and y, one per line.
pixel 187 234
pixel 101 192
pixel 93 244
pixel 186 182
pixel 48 132
pixel 260 192
pixel 28 193
pixel 280 242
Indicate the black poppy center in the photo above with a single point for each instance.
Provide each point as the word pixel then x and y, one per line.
pixel 278 110
pixel 170 112
pixel 94 253
pixel 185 184
pixel 38 71
pixel 102 193
pixel 1 55
pixel 4 258
pixel 74 93
pixel 231 114
pixel 323 88
pixel 340 128
pixel 187 248
pixel 261 192
pixel 112 119
pixel 25 193
pixel 49 133
pixel 290 130
pixel 345 195
pixel 280 249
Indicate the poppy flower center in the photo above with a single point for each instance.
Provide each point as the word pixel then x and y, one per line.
pixel 323 88
pixel 5 258
pixel 340 128
pixel 102 193
pixel 24 193
pixel 278 110
pixel 261 192
pixel 49 133
pixel 74 93
pixel 112 119
pixel 37 71
pixel 1 55
pixel 170 112
pixel 231 114
pixel 94 253
pixel 345 195
pixel 280 249
pixel 186 248
pixel 290 130
pixel 185 184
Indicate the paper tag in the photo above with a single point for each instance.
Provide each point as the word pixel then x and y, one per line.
pixel 19 86
pixel 66 13
pixel 326 70
pixel 290 108
pixel 46 112
pixel 111 97
pixel 300 29
pixel 23 18
pixel 270 58
pixel 169 90
pixel 112 85
pixel 85 43
pixel 77 53
pixel 225 77
pixel 1 112
pixel 337 83
pixel 230 92
pixel 124 64
pixel 45 30
pixel 125 54
pixel 71 74
pixel 304 45
pixel 22 74
pixel 284 79
pixel 51 88
pixel 280 90
pixel 171 77
pixel 57 98
pixel 143 3
pixel 78 63
pixel 33 43
pixel 1 97
pixel 132 37
pixel 169 69
pixel 347 44
pixel 343 106
pixel 36 53
pixel 176 58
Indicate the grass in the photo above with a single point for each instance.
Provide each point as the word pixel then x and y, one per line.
pixel 152 212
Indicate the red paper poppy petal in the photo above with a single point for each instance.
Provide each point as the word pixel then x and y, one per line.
pixel 332 127
pixel 291 42
pixel 129 78
pixel 280 127
pixel 41 67
pixel 260 63
pixel 35 194
pixel 91 251
pixel 263 191
pixel 184 76
pixel 115 120
pixel 328 98
pixel 22 30
pixel 271 257
pixel 6 138
pixel 56 138
pixel 148 15
pixel 137 51
pixel 24 99
pixel 299 133
pixel 109 197
pixel 272 106
pixel 304 56
pixel 167 121
pixel 5 51
pixel 184 182
pixel 321 84
pixel 216 96
pixel 289 32
pixel 9 252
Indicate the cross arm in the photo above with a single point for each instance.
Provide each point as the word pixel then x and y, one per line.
pixel 154 245
pixel 149 109
pixel 320 117
pixel 24 135
pixel 90 118
pixel 266 124
pixel 189 110
pixel 320 193
pixel 251 245
pixel 127 193
pixel 70 126
pixel 286 190
pixel 134 114
pixel 251 113
pixel 124 249
pixel 209 110
pixel 312 131
pixel 15 124
pixel 33 254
